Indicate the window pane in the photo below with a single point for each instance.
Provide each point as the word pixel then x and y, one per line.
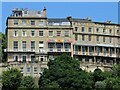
pixel 83 37
pixel 50 45
pixel 32 22
pixel 58 33
pixel 40 23
pixel 21 69
pixel 32 58
pixel 40 33
pixel 24 58
pixel 15 33
pixel 23 33
pixel 90 29
pixel 89 37
pixel 76 29
pixel 32 33
pixel 25 12
pixel 42 69
pixel 97 29
pixel 103 30
pixel 15 22
pixel 23 22
pixel 50 33
pixel 110 39
pixel 35 69
pixel 15 57
pixel 76 37
pixel 83 29
pixel 28 69
pixel 66 33
pixel 104 39
pixel 97 38
pixel 15 45
pixel 32 45
pixel 24 45
pixel 110 30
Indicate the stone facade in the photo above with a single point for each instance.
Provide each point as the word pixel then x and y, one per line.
pixel 34 39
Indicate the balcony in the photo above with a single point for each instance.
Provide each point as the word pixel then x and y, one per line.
pixel 41 51
pixel 118 55
pixel 26 50
pixel 91 53
pixel 59 50
pixel 76 52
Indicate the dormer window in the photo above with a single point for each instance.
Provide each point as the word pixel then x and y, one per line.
pixel 25 12
pixel 38 12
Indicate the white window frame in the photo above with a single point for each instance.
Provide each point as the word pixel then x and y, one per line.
pixel 41 33
pixel 32 22
pixel 83 29
pixel 42 69
pixel 76 29
pixel 15 49
pixel 41 24
pixel 23 34
pixel 104 39
pixel 66 33
pixel 58 34
pixel 83 37
pixel 98 38
pixel 22 58
pixel 14 56
pixel 35 70
pixel 15 22
pixel 89 38
pixel 16 33
pixel 110 31
pixel 22 69
pixel 25 45
pixel 29 69
pixel 110 40
pixel 50 35
pixel 24 22
pixel 30 58
pixel 32 47
pixel 89 29
pixel 31 33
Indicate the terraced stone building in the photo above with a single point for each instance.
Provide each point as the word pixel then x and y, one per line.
pixel 33 39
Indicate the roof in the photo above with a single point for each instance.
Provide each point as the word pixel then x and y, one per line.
pixel 81 20
pixel 57 20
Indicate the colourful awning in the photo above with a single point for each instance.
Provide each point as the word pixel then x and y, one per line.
pixel 59 40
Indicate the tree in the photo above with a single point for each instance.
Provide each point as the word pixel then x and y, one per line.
pixel 27 83
pixel 100 85
pixel 116 71
pixel 98 75
pixel 112 83
pixel 65 72
pixel 3 45
pixel 11 79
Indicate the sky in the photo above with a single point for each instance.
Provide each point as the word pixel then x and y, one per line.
pixel 97 11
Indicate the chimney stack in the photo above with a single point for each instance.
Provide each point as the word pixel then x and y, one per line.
pixel 44 10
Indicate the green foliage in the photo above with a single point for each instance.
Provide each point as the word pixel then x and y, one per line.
pixel 64 72
pixel 11 79
pixel 27 83
pixel 112 83
pixel 100 85
pixel 3 46
pixel 116 71
pixel 98 75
